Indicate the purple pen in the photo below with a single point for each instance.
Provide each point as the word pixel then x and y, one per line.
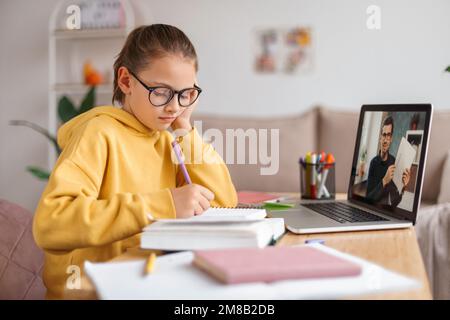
pixel 178 154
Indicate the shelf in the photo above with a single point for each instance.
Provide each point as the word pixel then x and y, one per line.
pixel 80 88
pixel 69 49
pixel 90 33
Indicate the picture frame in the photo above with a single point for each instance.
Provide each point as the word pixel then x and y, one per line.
pixel 283 50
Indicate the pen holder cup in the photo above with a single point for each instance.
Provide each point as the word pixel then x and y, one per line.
pixel 317 181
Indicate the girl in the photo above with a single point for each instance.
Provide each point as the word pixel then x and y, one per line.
pixel 115 173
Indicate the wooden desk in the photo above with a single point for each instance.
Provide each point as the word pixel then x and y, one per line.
pixel 396 250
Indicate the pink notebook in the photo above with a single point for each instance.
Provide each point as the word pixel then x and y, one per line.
pixel 272 264
pixel 253 197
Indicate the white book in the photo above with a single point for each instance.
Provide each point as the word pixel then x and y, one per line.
pixel 226 214
pixel 178 235
pixel 405 157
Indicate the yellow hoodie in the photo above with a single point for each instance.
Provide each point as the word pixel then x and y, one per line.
pixel 113 171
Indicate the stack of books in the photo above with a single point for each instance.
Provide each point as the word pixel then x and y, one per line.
pixel 215 228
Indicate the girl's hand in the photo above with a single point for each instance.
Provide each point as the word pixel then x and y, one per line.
pixel 183 121
pixel 191 199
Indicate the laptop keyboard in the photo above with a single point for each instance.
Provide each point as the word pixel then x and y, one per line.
pixel 342 212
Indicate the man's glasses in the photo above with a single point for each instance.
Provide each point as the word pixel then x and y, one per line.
pixel 161 96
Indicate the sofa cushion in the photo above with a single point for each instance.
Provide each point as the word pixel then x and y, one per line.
pixel 297 135
pixel 437 151
pixel 21 261
pixel 444 192
pixel 337 134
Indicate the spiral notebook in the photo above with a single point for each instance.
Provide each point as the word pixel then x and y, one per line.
pixel 226 214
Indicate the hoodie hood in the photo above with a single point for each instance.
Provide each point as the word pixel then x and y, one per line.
pixel 67 130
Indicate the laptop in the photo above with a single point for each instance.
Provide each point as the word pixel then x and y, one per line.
pixel 378 197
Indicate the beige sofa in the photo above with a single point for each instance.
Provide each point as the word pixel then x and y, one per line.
pixel 322 129
pixel 334 131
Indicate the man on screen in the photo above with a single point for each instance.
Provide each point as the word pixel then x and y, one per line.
pixel 380 187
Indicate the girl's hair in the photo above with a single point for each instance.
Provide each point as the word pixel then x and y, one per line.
pixel 146 43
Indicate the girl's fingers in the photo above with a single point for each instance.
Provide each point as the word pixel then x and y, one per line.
pixel 198 210
pixel 206 193
pixel 204 203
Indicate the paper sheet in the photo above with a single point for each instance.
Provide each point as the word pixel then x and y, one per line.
pixel 174 277
pixel 405 157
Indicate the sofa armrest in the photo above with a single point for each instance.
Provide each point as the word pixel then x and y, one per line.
pixel 433 233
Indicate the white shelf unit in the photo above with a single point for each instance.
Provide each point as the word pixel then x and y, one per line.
pixel 70 49
pixel 90 33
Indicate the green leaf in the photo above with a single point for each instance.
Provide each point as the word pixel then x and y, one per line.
pixel 39 173
pixel 88 101
pixel 39 129
pixel 448 69
pixel 66 109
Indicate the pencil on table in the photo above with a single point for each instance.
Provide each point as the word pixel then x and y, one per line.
pixel 150 264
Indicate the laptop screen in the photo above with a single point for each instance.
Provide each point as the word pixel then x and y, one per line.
pixel 390 157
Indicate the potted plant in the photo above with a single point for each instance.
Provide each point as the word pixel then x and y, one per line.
pixel 66 111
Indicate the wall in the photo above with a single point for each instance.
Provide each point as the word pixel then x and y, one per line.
pixel 402 62
pixel 23 85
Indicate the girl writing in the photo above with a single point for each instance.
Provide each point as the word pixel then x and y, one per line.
pixel 115 173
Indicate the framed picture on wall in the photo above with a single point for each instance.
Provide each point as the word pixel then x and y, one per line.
pixel 283 50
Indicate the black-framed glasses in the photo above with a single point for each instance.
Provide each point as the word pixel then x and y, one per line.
pixel 160 96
